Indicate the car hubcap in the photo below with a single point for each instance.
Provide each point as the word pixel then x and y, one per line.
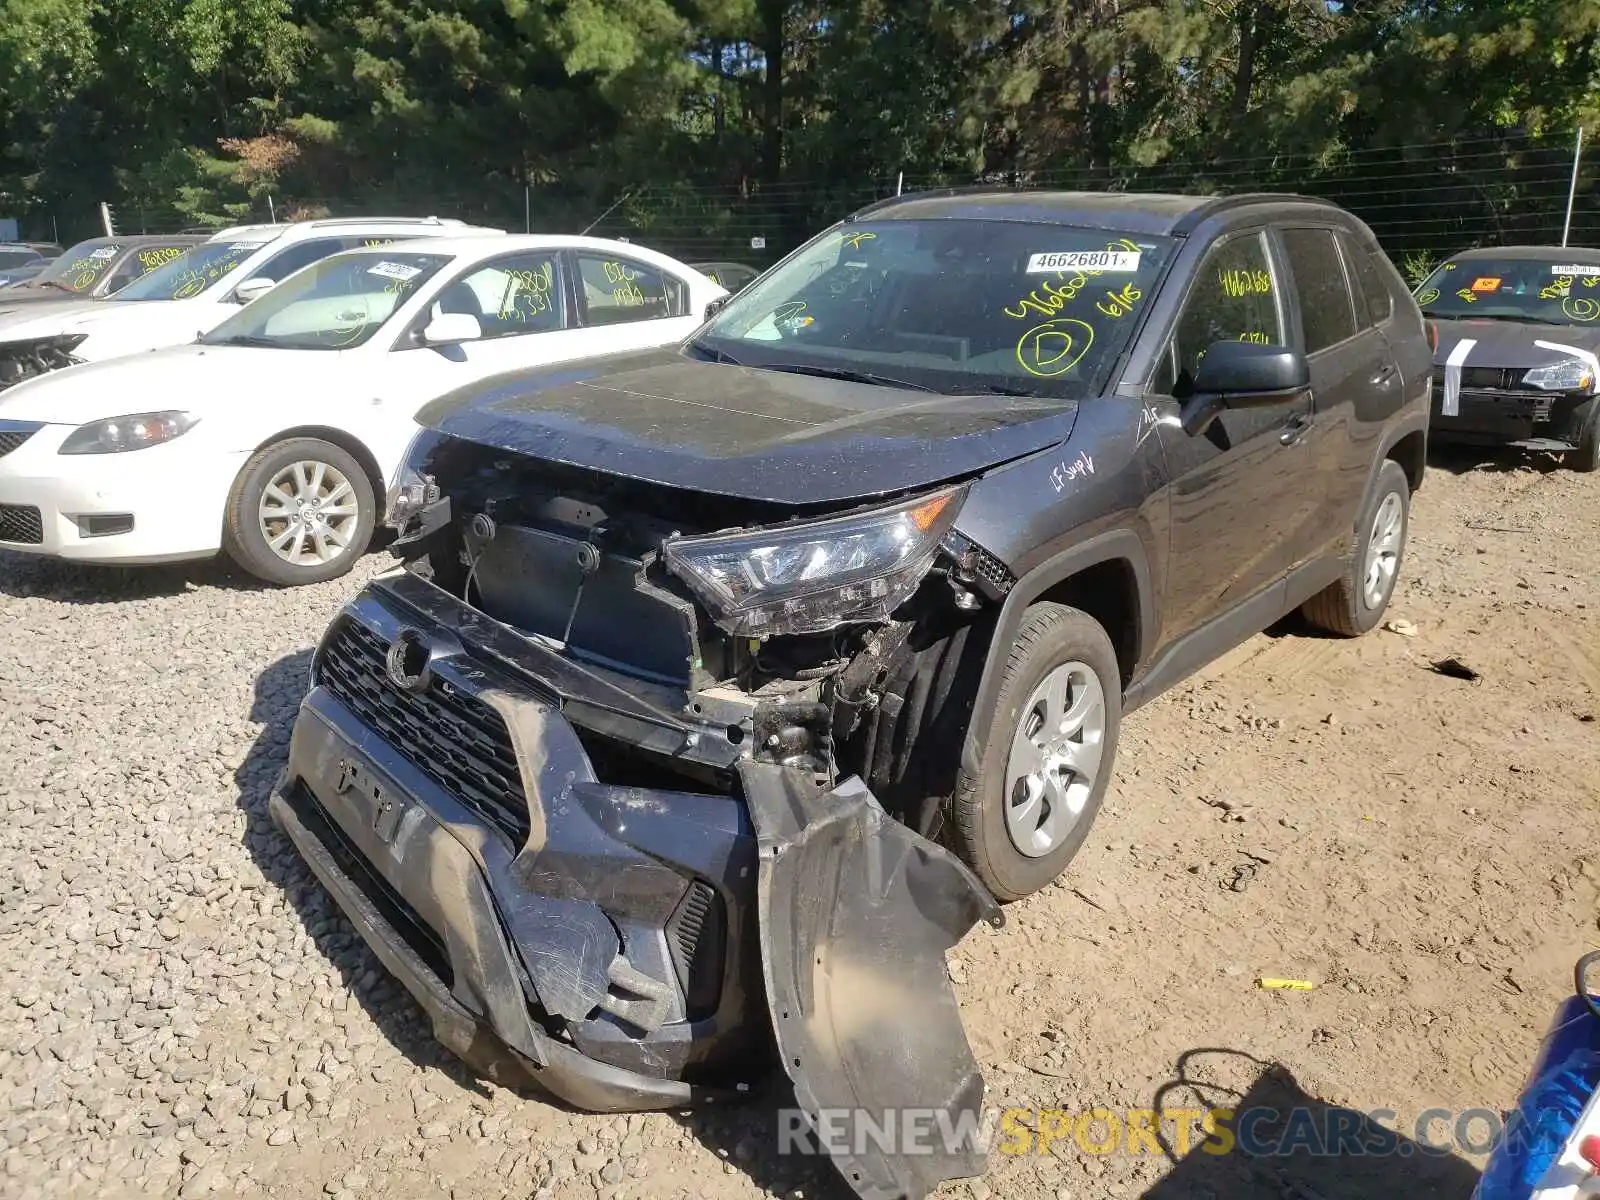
pixel 1055 758
pixel 1383 549
pixel 309 513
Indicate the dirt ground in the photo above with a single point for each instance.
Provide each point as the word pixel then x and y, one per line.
pixel 1421 848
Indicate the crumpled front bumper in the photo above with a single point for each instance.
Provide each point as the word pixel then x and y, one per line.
pixel 626 948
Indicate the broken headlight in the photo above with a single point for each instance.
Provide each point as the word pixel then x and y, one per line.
pixel 812 577
pixel 1570 375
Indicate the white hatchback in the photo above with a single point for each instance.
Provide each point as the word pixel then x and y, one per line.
pixel 276 436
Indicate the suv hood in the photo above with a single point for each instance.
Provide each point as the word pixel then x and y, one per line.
pixel 746 432
pixel 1510 344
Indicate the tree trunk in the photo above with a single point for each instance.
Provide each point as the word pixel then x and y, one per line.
pixel 772 49
pixel 1244 77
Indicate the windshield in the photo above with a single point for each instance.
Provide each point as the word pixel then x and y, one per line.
pixel 191 273
pixel 80 267
pixel 948 305
pixel 337 304
pixel 1554 290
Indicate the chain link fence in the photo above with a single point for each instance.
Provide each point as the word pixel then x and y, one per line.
pixel 1423 200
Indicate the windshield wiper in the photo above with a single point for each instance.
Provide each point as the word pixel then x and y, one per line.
pixel 716 355
pixel 849 376
pixel 248 339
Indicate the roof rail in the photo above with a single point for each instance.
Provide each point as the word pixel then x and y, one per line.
pixel 325 222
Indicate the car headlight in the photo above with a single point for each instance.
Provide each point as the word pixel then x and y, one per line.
pixel 1570 375
pixel 811 577
pixel 137 431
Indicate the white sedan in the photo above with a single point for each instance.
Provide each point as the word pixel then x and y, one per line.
pixel 276 436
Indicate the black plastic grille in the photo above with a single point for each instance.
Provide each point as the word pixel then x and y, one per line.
pixel 454 738
pixel 20 523
pixel 1499 379
pixel 10 439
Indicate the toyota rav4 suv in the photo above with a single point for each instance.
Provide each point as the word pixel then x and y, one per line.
pixel 725 686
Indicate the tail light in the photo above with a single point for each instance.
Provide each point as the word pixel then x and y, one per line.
pixel 1433 336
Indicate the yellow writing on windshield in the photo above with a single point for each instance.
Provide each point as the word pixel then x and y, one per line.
pixel 1468 295
pixel 1581 308
pixel 854 240
pixel 1429 296
pixel 1257 337
pixel 1558 289
pixel 1050 297
pixel 1120 303
pixel 1054 347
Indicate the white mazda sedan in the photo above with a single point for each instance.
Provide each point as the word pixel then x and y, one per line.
pixel 276 436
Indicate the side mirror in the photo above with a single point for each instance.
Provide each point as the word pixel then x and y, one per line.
pixel 253 289
pixel 716 306
pixel 1242 375
pixel 449 329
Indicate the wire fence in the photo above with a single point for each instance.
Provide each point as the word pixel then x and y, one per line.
pixel 1423 201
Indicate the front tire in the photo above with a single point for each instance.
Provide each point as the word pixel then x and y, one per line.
pixel 1357 602
pixel 1048 751
pixel 1586 457
pixel 301 511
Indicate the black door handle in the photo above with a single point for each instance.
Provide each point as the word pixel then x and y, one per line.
pixel 1295 428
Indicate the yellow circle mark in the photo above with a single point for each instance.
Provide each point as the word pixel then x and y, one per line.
pixel 1429 296
pixel 1055 347
pixel 1581 308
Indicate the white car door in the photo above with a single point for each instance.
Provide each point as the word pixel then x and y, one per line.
pixel 524 317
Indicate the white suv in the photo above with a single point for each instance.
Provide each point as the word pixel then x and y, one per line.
pixel 196 292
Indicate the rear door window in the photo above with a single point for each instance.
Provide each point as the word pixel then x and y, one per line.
pixel 1327 310
pixel 615 291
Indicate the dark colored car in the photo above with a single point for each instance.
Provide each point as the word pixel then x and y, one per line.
pixel 1518 356
pixel 98 267
pixel 19 254
pixel 727 685
pixel 731 275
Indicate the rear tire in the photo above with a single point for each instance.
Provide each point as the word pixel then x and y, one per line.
pixel 1357 602
pixel 1059 706
pixel 301 511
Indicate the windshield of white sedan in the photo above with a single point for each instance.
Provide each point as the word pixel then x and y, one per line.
pixel 336 304
pixel 949 306
pixel 191 273
pixel 1550 291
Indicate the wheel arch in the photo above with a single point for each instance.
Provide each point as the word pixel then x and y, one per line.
pixel 1107 577
pixel 347 442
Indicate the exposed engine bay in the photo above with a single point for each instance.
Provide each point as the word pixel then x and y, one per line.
pixel 32 357
pixel 592 565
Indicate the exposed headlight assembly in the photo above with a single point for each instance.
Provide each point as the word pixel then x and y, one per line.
pixel 1570 375
pixel 137 431
pixel 812 577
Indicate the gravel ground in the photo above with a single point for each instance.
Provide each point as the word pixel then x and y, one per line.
pixel 183 1012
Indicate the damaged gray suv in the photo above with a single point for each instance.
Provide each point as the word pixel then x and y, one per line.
pixel 724 687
